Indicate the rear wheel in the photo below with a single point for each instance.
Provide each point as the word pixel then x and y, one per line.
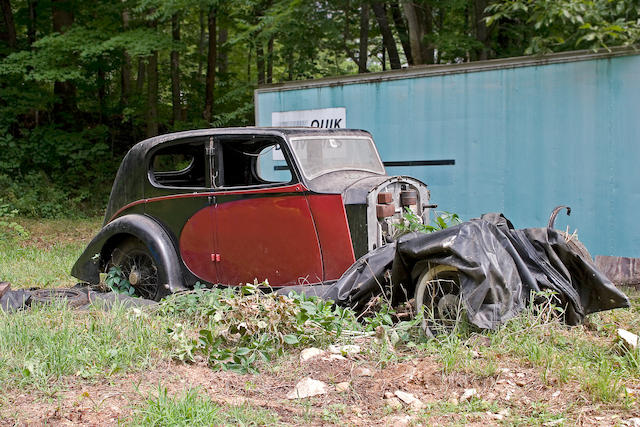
pixel 140 269
pixel 437 297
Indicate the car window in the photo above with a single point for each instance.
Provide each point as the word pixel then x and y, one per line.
pixel 243 161
pixel 180 165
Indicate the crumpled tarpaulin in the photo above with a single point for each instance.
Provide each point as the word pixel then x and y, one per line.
pixel 498 268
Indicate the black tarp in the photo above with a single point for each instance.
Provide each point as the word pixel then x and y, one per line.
pixel 498 268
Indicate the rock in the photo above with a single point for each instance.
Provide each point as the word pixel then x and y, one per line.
pixel 343 386
pixel 307 387
pixel 410 399
pixel 310 353
pixel 634 422
pixel 388 395
pixel 628 339
pixel 393 402
pixel 468 394
pixel 362 371
pixel 333 357
pixel 345 350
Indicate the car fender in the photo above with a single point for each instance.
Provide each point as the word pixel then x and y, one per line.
pixel 149 231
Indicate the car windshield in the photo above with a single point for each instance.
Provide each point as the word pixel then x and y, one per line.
pixel 320 155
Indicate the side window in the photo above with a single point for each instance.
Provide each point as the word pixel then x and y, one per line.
pixel 180 165
pixel 271 165
pixel 245 161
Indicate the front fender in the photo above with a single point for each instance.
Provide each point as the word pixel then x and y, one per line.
pixel 149 231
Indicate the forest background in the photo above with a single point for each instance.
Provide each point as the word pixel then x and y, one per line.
pixel 82 81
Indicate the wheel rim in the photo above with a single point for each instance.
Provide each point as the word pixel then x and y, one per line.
pixel 437 297
pixel 139 266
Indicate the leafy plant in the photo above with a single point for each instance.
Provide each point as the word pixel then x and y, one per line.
pixel 412 222
pixel 118 281
pixel 247 326
pixel 6 221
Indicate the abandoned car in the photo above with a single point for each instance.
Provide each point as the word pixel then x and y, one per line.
pixel 293 206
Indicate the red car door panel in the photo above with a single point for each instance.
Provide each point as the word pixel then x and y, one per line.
pixel 197 245
pixel 266 235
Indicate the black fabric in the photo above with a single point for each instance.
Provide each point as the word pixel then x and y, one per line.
pixel 498 268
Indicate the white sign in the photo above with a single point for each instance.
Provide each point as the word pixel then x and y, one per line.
pixel 326 118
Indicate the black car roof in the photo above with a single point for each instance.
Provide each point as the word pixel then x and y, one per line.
pixel 128 185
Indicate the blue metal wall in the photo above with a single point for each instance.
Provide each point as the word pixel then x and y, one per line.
pixel 524 140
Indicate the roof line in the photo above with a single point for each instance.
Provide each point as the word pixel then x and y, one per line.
pixel 439 70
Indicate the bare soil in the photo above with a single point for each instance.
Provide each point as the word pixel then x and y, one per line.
pixel 515 392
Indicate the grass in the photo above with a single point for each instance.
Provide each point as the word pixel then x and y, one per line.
pixel 44 258
pixel 193 408
pixel 40 346
pixel 47 347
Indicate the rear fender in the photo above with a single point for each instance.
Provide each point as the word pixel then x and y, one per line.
pixel 150 232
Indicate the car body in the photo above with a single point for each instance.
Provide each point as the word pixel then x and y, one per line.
pixel 293 206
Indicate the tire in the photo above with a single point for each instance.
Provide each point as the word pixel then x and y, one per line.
pixel 437 297
pixel 140 268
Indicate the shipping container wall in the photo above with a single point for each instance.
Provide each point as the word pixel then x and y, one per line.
pixel 524 140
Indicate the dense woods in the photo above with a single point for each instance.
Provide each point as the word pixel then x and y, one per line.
pixel 81 82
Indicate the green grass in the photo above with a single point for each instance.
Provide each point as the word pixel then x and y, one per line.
pixel 42 345
pixel 193 408
pixel 45 257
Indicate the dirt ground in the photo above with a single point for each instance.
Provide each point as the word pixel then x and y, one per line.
pixel 512 396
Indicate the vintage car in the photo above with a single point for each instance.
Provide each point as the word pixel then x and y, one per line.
pixel 294 206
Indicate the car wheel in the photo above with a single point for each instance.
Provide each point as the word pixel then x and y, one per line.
pixel 437 297
pixel 140 269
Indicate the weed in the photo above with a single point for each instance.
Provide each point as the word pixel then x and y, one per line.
pixel 118 282
pixel 194 408
pixel 412 222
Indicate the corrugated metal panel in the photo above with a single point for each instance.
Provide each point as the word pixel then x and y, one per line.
pixel 524 138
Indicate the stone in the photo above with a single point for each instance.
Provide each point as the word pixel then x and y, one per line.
pixel 628 339
pixel 343 386
pixel 468 394
pixel 388 395
pixel 332 357
pixel 393 402
pixel 345 350
pixel 408 398
pixel 362 371
pixel 307 387
pixel 310 353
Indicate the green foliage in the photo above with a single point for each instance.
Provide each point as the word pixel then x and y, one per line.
pixel 413 222
pixel 245 327
pixel 552 25
pixel 118 282
pixel 7 225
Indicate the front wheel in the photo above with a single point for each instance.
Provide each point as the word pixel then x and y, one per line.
pixel 437 297
pixel 140 268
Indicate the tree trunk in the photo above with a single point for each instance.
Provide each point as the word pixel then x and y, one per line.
pixel 201 44
pixel 260 63
pixel 9 25
pixel 142 71
pixel 387 36
pixel 420 23
pixel 480 29
pixel 363 54
pixel 175 70
pixel 31 29
pixel 64 92
pixel 211 67
pixel 401 28
pixel 270 61
pixel 152 95
pixel 223 56
pixel 125 69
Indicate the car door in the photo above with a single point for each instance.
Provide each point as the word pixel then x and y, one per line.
pixel 264 227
